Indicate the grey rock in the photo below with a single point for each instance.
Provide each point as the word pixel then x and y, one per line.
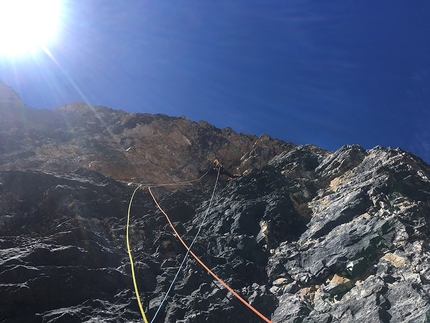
pixel 306 235
pixel 290 309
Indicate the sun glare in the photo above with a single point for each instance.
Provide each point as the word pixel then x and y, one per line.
pixel 26 25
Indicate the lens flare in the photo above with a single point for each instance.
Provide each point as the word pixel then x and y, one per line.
pixel 26 25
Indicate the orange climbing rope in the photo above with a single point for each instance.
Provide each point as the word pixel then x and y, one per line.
pixel 204 266
pixel 133 275
pixel 188 251
pixel 185 245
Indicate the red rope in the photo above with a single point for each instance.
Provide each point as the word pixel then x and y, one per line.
pixel 204 266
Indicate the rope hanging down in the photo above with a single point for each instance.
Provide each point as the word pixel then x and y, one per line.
pixel 185 245
pixel 133 275
pixel 136 290
pixel 205 267
pixel 188 250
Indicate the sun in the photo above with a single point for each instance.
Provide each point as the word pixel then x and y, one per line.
pixel 26 25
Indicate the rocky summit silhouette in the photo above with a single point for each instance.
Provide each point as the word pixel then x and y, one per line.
pixel 305 235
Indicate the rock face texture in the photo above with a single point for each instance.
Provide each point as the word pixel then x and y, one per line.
pixel 306 235
pixel 154 148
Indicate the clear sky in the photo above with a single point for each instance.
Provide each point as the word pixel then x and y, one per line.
pixel 323 72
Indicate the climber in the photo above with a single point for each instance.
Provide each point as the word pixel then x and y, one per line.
pixel 218 167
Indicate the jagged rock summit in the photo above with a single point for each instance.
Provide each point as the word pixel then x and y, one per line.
pixel 306 235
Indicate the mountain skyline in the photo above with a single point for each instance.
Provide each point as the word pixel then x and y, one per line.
pixel 325 74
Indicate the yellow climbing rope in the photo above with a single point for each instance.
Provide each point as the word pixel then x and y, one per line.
pixel 133 275
pixel 185 245
pixel 136 290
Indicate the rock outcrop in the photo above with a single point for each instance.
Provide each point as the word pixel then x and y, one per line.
pixel 306 235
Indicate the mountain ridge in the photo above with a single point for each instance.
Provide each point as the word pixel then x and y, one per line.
pixel 125 145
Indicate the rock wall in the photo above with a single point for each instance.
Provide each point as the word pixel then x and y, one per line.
pixel 310 237
pixel 305 235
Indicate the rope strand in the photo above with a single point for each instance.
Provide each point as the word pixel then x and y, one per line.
pixel 133 275
pixel 205 267
pixel 188 250
pixel 136 290
pixel 185 245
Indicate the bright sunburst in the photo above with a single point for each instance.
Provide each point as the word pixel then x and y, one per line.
pixel 27 24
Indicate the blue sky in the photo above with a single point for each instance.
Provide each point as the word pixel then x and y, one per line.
pixel 323 72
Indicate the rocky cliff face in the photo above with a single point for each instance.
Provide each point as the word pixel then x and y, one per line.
pixel 305 235
pixel 153 148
